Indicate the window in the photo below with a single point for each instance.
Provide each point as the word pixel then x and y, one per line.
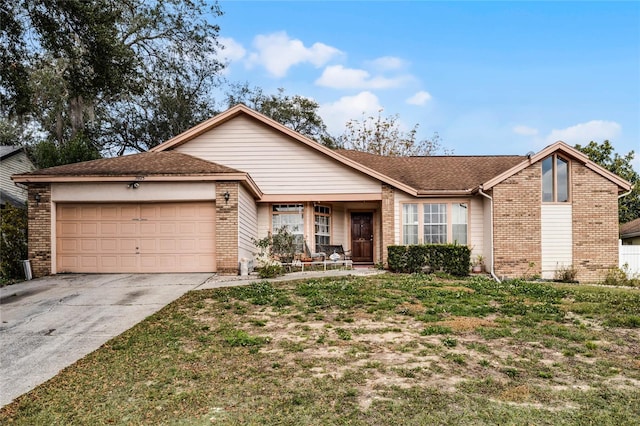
pixel 459 223
pixel 435 223
pixel 322 226
pixel 410 224
pixel 555 180
pixel 289 216
pixel 440 223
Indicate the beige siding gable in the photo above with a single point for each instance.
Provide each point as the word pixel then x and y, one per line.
pixel 277 163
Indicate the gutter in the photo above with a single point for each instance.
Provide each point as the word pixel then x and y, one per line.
pixel 493 274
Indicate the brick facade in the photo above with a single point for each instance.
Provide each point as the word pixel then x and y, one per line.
pixel 388 220
pixel 227 228
pixel 516 223
pixel 595 223
pixel 39 214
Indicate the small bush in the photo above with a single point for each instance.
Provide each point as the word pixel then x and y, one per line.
pixel 13 241
pixel 271 270
pixel 621 277
pixel 566 274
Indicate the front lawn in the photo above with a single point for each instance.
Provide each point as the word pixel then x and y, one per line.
pixel 387 349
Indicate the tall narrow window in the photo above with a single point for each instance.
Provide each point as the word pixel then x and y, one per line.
pixel 435 223
pixel 289 216
pixel 322 226
pixel 459 222
pixel 409 224
pixel 555 179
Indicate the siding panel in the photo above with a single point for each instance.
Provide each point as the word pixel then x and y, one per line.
pixel 556 234
pixel 276 163
pixel 247 224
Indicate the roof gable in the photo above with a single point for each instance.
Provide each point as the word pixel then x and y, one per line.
pixel 566 150
pixel 240 109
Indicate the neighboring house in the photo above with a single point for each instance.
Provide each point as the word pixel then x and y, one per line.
pixel 13 159
pixel 630 233
pixel 196 202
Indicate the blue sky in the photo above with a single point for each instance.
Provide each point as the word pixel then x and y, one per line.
pixel 490 78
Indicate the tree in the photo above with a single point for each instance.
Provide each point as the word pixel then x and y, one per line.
pixel 296 112
pixel 605 155
pixel 383 136
pixel 91 66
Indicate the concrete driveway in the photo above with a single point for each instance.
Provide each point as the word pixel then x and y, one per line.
pixel 49 323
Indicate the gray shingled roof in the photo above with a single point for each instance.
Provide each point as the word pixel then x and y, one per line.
pixel 437 173
pixel 8 150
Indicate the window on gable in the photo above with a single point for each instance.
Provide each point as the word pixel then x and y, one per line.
pixel 555 179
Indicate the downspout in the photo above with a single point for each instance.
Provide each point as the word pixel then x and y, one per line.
pixel 626 193
pixel 493 274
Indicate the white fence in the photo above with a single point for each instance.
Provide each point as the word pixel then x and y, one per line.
pixel 630 255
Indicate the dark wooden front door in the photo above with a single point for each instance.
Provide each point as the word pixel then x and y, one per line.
pixel 362 237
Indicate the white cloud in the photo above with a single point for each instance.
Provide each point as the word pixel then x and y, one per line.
pixel 420 98
pixel 525 130
pixel 336 114
pixel 231 51
pixel 387 63
pixel 595 130
pixel 277 52
pixel 339 77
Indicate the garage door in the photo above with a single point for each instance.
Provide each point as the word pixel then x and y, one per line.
pixel 158 237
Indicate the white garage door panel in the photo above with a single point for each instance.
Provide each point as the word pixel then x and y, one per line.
pixel 158 237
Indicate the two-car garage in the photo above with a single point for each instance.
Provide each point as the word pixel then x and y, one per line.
pixel 135 237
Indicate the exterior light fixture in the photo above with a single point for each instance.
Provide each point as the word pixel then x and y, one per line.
pixel 37 197
pixel 134 185
pixel 226 197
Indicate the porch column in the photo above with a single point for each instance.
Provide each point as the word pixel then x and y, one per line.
pixel 227 227
pixel 39 239
pixel 388 220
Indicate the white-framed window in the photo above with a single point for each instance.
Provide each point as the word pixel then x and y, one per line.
pixel 290 216
pixel 435 223
pixel 409 224
pixel 555 179
pixel 441 223
pixel 322 222
pixel 459 223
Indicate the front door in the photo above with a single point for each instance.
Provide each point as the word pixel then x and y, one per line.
pixel 362 237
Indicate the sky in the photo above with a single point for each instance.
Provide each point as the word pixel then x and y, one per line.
pixel 489 77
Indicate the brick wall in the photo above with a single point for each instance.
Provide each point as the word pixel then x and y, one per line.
pixel 227 228
pixel 388 220
pixel 516 223
pixel 39 240
pixel 595 223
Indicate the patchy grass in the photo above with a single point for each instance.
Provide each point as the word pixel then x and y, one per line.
pixel 390 349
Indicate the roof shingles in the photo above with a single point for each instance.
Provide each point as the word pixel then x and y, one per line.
pixel 166 163
pixel 437 173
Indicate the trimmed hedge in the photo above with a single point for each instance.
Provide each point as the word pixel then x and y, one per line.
pixel 450 258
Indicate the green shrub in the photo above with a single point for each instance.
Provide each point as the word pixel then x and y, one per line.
pixel 271 270
pixel 452 259
pixel 13 241
pixel 621 277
